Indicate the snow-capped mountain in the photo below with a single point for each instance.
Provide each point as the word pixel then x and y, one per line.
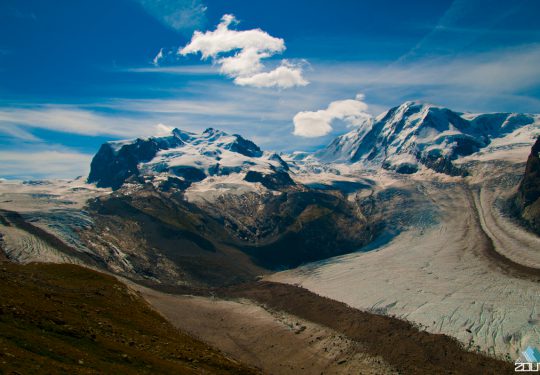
pixel 183 158
pixel 415 134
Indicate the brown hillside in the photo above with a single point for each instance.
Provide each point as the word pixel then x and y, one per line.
pixel 68 319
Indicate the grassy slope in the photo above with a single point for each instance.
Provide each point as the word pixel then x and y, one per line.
pixel 68 319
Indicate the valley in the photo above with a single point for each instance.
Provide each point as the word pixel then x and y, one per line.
pixel 404 242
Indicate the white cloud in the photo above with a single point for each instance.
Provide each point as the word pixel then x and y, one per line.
pixel 162 130
pixel 501 71
pixel 121 120
pixel 45 163
pixel 17 132
pixel 248 48
pixel 285 76
pixel 213 43
pixel 70 119
pixel 180 15
pixel 158 57
pixel 319 123
pixel 245 63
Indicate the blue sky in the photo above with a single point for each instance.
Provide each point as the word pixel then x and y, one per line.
pixel 74 74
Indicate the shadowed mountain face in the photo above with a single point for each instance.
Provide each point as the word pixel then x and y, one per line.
pixel 111 166
pixel 159 237
pixel 295 227
pixel 528 197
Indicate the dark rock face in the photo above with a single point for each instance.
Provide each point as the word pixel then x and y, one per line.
pixel 110 168
pixel 190 174
pixel 294 227
pixel 165 238
pixel 442 165
pixel 176 183
pixel 245 147
pixel 281 162
pixel 528 197
pixel 275 181
pixel 407 169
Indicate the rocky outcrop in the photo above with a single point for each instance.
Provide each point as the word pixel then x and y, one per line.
pixel 293 227
pixel 156 235
pixel 159 238
pixel 528 196
pixel 274 181
pixel 114 163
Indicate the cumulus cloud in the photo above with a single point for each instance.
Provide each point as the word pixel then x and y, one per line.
pixel 284 76
pixel 319 123
pixel 245 51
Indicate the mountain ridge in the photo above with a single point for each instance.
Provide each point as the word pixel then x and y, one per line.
pixel 404 139
pixel 183 157
pixel 417 134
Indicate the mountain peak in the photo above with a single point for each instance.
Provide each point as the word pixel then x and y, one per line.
pixel 183 155
pixel 182 134
pixel 418 103
pixel 416 134
pixel 211 131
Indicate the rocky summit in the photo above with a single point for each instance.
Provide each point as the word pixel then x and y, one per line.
pixel 181 158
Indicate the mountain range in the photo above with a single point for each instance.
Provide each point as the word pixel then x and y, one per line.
pixel 404 197
pixel 404 139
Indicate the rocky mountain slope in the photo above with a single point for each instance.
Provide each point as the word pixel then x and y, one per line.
pixel 528 196
pixel 145 232
pixel 211 208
